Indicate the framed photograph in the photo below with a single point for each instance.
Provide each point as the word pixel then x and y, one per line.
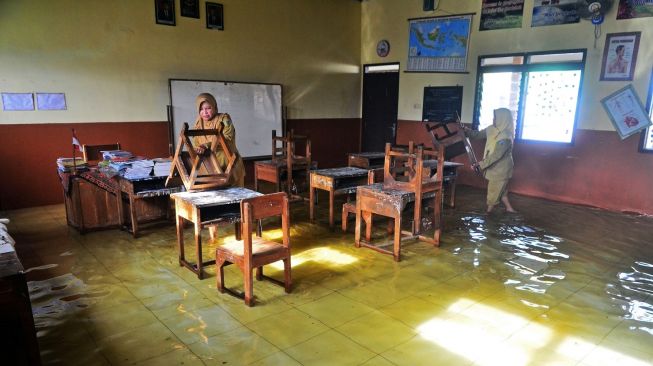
pixel 214 16
pixel 646 139
pixel 626 111
pixel 190 8
pixel 164 12
pixel 619 56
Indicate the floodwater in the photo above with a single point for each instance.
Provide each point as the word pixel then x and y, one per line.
pixel 553 284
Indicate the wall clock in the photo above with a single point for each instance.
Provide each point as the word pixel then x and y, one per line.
pixel 383 48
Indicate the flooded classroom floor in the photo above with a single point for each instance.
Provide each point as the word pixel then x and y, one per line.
pixel 555 284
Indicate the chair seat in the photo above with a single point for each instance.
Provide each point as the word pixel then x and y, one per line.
pixel 260 246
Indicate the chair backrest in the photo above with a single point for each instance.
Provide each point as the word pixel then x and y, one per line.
pixel 93 153
pixel 267 205
pixel 416 177
pixel 283 147
pixel 453 138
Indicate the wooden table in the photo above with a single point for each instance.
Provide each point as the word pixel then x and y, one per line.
pixel 372 160
pixel 274 171
pixel 336 181
pixel 366 160
pixel 204 209
pixel 147 197
pixel 16 315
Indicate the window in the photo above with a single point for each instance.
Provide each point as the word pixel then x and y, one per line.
pixel 541 89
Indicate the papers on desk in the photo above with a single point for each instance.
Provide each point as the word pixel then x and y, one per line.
pixel 139 169
pixel 116 155
pixel 66 164
pixel 162 167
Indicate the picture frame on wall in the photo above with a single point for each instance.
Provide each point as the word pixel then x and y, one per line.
pixel 164 12
pixel 190 8
pixel 214 16
pixel 626 111
pixel 620 56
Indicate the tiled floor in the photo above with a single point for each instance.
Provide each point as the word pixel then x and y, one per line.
pixel 554 285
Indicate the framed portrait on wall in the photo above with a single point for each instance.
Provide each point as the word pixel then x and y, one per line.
pixel 619 56
pixel 214 16
pixel 164 12
pixel 190 8
pixel 626 111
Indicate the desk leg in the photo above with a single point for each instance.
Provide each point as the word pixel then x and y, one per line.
pixel 180 240
pixel 132 213
pixel 198 249
pixel 121 210
pixel 331 198
pixel 452 192
pixel 357 229
pixel 311 203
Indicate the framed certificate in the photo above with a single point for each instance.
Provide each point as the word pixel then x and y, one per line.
pixel 626 111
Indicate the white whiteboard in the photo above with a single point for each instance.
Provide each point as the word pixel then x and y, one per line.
pixel 254 108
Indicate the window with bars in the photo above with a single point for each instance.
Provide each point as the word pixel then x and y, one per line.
pixel 541 89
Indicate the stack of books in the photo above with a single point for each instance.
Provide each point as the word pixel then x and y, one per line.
pixel 66 164
pixel 162 167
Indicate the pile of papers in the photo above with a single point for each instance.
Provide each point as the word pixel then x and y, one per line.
pixel 137 169
pixel 162 167
pixel 66 164
pixel 116 155
pixel 6 241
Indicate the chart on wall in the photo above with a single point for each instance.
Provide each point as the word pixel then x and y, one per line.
pixel 439 44
pixel 255 109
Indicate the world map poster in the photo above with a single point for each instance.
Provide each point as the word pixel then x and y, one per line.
pixel 439 44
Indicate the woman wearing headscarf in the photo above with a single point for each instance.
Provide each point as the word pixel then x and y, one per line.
pixel 497 163
pixel 209 118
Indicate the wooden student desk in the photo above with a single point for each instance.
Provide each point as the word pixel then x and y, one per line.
pixel 274 171
pixel 336 181
pixel 373 160
pixel 203 209
pixel 94 201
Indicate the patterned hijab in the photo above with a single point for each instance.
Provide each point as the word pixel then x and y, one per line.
pixel 502 129
pixel 208 98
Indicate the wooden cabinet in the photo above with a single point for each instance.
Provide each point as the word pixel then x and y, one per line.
pixel 89 207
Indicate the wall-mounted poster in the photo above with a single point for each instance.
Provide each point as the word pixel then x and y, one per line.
pixel 626 111
pixel 629 9
pixel 554 12
pixel 439 44
pixel 164 12
pixel 620 56
pixel 497 14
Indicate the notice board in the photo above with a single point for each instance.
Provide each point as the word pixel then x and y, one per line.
pixel 442 103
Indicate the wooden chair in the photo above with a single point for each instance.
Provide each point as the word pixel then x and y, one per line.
pixel 250 253
pixel 454 140
pixel 393 195
pixel 200 172
pixel 285 163
pixel 93 153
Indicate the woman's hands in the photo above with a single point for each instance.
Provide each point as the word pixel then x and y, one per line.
pixel 201 150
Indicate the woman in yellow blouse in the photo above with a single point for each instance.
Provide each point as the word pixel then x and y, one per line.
pixel 209 118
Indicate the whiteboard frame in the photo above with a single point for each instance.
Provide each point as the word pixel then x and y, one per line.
pixel 175 126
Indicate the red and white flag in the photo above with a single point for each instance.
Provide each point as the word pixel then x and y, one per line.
pixel 76 145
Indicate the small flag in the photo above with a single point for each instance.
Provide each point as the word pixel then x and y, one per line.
pixel 76 145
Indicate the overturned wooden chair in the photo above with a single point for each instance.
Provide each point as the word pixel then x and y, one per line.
pixel 200 172
pixel 254 252
pixel 396 192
